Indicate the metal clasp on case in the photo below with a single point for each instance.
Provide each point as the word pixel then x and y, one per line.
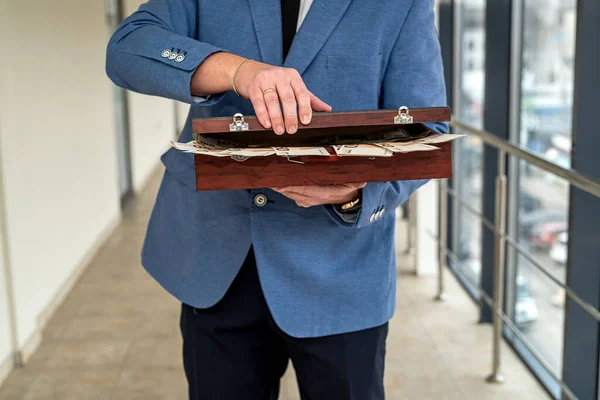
pixel 403 116
pixel 238 124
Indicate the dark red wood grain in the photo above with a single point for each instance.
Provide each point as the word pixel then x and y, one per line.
pixel 330 120
pixel 223 173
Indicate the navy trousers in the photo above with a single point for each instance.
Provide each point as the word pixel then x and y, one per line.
pixel 235 351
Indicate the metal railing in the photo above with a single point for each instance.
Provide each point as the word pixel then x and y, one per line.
pixel 501 240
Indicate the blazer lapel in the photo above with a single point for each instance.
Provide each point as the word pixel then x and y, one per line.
pixel 266 15
pixel 322 18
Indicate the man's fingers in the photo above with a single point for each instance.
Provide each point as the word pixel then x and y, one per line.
pixel 304 101
pixel 260 108
pixel 318 104
pixel 304 201
pixel 284 101
pixel 303 204
pixel 317 190
pixel 296 194
pixel 356 185
pixel 271 97
pixel 300 199
pixel 288 101
pixel 310 191
pixel 312 195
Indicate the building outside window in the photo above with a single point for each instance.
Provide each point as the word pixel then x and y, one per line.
pixel 468 161
pixel 541 223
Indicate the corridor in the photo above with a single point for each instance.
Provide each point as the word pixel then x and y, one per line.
pixel 116 337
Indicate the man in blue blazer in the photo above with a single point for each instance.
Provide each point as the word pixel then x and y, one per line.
pixel 273 274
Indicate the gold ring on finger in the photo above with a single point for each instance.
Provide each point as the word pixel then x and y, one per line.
pixel 269 90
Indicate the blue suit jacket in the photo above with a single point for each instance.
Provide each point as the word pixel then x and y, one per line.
pixel 320 275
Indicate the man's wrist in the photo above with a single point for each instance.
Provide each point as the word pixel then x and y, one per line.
pixel 351 206
pixel 215 74
pixel 237 72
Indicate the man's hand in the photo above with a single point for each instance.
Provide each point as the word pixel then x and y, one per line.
pixel 264 85
pixel 309 196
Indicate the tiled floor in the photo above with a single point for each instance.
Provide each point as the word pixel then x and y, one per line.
pixel 116 337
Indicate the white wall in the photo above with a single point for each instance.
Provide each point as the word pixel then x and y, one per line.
pixel 152 125
pixel 57 145
pixel 58 150
pixel 182 113
pixel 5 324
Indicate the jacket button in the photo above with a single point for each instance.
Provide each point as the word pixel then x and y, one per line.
pixel 166 53
pixel 173 55
pixel 260 200
pixel 180 58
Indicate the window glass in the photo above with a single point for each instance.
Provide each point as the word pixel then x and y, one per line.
pixel 468 161
pixel 548 46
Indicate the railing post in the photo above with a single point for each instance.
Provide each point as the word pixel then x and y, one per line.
pixel 499 256
pixel 410 220
pixel 442 230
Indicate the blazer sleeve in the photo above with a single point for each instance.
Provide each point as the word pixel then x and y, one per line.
pixel 414 78
pixel 138 59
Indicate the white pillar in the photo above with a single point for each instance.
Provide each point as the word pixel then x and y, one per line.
pixel 426 208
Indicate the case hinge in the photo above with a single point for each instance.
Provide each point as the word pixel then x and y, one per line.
pixel 403 116
pixel 238 124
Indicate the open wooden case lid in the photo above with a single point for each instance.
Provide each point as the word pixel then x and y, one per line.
pixel 323 124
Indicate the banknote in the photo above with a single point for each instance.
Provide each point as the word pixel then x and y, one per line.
pixel 373 137
pixel 301 151
pixel 250 152
pixel 193 147
pixel 362 150
pixel 210 142
pixel 406 147
pixel 380 145
pixel 403 135
pixel 208 147
pixel 440 138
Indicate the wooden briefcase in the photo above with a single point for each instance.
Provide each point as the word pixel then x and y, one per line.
pixel 227 173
